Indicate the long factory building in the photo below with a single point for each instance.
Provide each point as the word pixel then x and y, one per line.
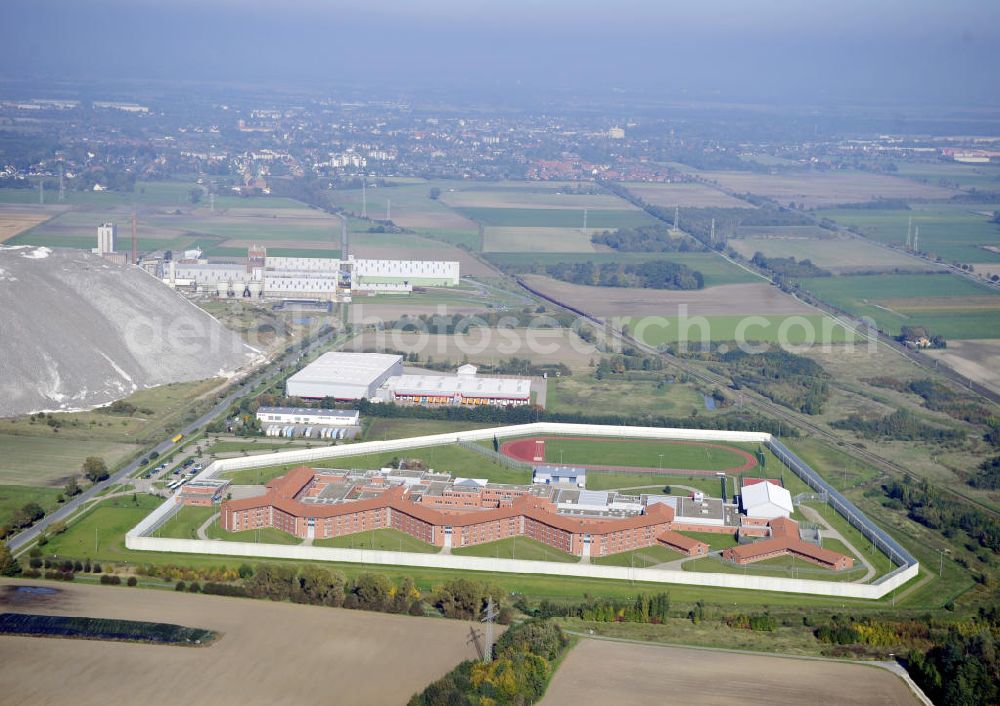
pixel 380 377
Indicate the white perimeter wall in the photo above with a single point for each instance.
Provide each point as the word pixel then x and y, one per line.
pixel 134 539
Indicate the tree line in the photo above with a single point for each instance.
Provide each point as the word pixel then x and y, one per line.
pixel 654 274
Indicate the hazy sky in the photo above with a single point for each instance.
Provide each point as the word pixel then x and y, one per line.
pixel 871 51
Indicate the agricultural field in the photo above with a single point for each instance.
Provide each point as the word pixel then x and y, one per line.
pixel 283 640
pixel 821 189
pixel 503 239
pixel 952 175
pixel 838 254
pixel 953 232
pixel 715 269
pixel 684 195
pixel 406 246
pixel 51 460
pixel 487 346
pixel 410 206
pixel 611 396
pixel 17 220
pixel 948 305
pixel 978 360
pixel 724 300
pixel 528 195
pixel 789 330
pixel 82 434
pixel 558 217
pixel 601 671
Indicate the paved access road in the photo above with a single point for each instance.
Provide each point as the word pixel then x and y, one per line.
pixel 29 535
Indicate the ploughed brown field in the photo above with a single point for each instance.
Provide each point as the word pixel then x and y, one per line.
pixel 978 360
pixel 14 222
pixel 723 300
pixel 269 653
pixel 604 672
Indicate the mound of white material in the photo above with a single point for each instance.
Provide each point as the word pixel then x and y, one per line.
pixel 77 332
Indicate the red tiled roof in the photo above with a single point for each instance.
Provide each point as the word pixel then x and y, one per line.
pixel 784 537
pixel 280 496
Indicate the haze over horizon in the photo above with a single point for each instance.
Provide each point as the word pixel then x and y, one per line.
pixel 782 51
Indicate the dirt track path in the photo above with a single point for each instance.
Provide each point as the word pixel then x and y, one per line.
pixel 814 516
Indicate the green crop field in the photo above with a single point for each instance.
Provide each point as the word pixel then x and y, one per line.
pixel 835 254
pixel 641 453
pixel 386 539
pixel 792 329
pixel 949 305
pixel 982 177
pixel 715 269
pixel 516 548
pixel 557 217
pixel 952 232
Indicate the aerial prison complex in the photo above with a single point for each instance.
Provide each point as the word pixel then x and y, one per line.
pixel 380 377
pixel 445 512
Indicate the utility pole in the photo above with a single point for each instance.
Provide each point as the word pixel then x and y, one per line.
pixel 909 229
pixel 388 213
pixel 585 219
pixel 677 217
pixel 62 183
pixel 41 192
pixel 364 197
pixel 491 615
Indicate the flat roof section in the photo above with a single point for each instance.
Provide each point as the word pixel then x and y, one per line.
pixel 337 366
pixel 465 385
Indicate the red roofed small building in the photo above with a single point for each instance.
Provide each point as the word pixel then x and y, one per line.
pixel 784 539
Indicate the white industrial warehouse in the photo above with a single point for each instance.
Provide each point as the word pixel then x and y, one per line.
pixel 380 377
pixel 344 376
pixel 765 500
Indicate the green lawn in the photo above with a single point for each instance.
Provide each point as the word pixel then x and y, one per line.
pixel 616 395
pixel 782 567
pixel 382 428
pixel 386 539
pixel 715 541
pixel 516 548
pixel 14 497
pixel 949 305
pixel 450 458
pixel 265 535
pixel 47 460
pixel 791 329
pixel 185 524
pixel 101 532
pixel 643 453
pixel 655 484
pixel 639 558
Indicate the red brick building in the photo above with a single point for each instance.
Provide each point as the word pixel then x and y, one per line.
pixel 784 540
pixel 461 516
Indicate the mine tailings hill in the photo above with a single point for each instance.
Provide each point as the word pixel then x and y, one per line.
pixel 77 331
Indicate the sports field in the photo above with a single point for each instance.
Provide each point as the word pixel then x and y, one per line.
pixel 949 305
pixel 633 454
pixel 601 671
pixel 954 232
pixel 684 195
pixel 268 653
